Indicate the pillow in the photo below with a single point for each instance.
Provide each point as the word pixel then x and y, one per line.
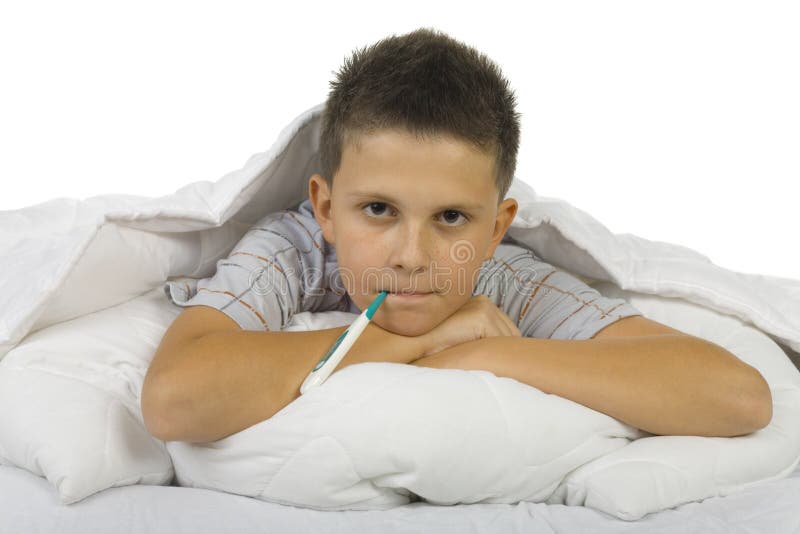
pixel 660 472
pixel 375 432
pixel 378 435
pixel 70 400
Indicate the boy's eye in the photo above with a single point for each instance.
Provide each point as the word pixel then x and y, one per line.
pixel 450 216
pixel 453 215
pixel 372 205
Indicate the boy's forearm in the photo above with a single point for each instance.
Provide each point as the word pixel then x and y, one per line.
pixel 230 380
pixel 676 385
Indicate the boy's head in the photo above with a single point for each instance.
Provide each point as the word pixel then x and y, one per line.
pixel 418 149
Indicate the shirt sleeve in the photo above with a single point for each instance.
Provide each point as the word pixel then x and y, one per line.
pixel 280 267
pixel 546 302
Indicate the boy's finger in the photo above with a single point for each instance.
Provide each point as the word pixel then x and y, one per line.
pixel 512 328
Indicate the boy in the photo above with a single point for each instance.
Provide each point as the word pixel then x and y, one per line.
pixel 418 150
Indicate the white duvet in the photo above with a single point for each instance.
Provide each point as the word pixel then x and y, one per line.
pixel 84 309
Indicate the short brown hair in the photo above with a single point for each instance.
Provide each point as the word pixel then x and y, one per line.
pixel 428 84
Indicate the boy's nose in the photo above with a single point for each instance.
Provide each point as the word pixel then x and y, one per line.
pixel 411 251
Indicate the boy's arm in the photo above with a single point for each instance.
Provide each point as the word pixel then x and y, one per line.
pixel 225 381
pixel 662 384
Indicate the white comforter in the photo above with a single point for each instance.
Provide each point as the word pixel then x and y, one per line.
pixel 84 308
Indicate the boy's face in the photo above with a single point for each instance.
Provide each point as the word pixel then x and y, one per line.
pixel 409 215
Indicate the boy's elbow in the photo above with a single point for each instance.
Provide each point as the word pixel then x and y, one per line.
pixel 760 408
pixel 155 409
pixel 763 412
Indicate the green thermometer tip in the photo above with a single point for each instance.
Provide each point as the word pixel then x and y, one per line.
pixel 375 303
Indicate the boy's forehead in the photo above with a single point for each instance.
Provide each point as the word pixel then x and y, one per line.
pixel 394 166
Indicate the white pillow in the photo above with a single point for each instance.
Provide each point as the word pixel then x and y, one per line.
pixel 660 472
pixel 448 435
pixel 377 435
pixel 69 400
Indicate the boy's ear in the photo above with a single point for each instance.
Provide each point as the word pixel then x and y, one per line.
pixel 320 196
pixel 506 211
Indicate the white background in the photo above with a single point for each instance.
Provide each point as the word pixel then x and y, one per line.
pixel 677 121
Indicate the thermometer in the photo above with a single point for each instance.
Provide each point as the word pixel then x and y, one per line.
pixel 334 355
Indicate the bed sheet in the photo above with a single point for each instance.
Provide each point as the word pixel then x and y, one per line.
pixel 30 504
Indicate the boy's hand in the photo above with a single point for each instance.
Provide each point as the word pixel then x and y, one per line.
pixel 478 318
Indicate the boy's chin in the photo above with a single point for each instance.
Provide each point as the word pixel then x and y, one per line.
pixel 408 330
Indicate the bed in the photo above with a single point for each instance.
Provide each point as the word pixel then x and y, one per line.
pixel 79 331
pixel 31 505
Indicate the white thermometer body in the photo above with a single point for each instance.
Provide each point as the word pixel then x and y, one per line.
pixel 334 355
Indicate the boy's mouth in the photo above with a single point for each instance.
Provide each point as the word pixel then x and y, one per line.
pixel 406 293
pixel 407 297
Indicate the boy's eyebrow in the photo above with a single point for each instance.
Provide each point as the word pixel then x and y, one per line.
pixel 383 197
